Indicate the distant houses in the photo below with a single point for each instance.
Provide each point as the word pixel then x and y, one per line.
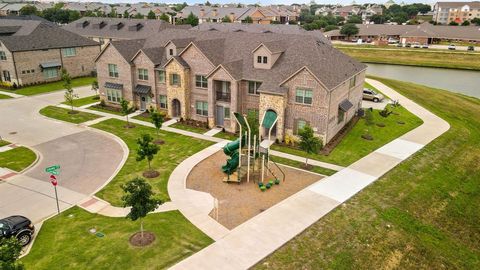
pixel 458 12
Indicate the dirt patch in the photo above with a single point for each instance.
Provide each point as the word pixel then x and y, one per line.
pixel 159 142
pixel 73 112
pixel 129 126
pixel 150 174
pixel 139 241
pixel 238 203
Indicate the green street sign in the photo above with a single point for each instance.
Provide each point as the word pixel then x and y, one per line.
pixel 53 169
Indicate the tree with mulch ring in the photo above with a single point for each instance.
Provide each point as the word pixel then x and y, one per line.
pixel 157 121
pixel 367 137
pixel 140 197
pixel 380 125
pixel 400 122
pixel 126 110
pixel 309 143
pixel 147 150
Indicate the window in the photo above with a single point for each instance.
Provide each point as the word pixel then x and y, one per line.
pixel 161 76
pixel 202 108
pixel 114 95
pixel 174 79
pixel 67 52
pixel 201 81
pixel 303 96
pixel 259 59
pixel 265 59
pixel 171 52
pixel 3 56
pixel 253 87
pixel 353 81
pixel 226 112
pixel 341 116
pixel 162 100
pixel 113 70
pixel 299 124
pixel 6 75
pixel 143 74
pixel 49 73
pixel 32 71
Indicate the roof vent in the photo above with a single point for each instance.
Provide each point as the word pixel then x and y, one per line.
pixel 83 24
pixel 238 30
pixel 99 25
pixel 117 26
pixel 266 31
pixel 135 27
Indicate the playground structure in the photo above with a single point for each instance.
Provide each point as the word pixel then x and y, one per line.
pixel 249 158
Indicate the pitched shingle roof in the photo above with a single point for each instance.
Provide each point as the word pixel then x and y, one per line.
pixel 36 35
pixel 128 48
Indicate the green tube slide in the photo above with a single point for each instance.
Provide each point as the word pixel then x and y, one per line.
pixel 231 149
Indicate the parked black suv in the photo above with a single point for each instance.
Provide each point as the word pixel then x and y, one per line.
pixel 17 226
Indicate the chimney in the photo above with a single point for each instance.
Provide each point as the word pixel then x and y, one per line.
pixel 232 16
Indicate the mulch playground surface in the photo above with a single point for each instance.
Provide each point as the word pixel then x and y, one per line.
pixel 238 203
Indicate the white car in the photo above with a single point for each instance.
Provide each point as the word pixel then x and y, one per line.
pixel 369 94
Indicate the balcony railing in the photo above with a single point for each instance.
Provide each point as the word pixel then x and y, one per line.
pixel 223 96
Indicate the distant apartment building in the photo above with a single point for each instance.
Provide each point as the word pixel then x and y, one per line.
pixel 259 15
pixel 104 30
pixel 32 51
pixel 207 75
pixel 447 12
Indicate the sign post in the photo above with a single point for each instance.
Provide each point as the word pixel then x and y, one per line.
pixel 53 170
pixel 54 182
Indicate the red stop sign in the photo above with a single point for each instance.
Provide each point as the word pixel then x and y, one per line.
pixel 54 182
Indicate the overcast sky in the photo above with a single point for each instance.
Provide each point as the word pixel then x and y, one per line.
pixel 267 2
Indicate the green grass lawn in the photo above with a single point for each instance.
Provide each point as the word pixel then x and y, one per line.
pixel 105 110
pixel 421 215
pixel 3 143
pixel 50 87
pixel 63 114
pixel 226 136
pixel 297 164
pixel 4 96
pixel 176 148
pixel 64 242
pixel 17 159
pixel 190 128
pixel 425 58
pixel 353 147
pixel 143 117
pixel 84 101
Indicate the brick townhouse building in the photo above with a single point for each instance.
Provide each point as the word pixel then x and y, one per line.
pixel 33 51
pixel 208 75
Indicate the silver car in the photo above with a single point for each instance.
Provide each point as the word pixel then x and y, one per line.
pixel 369 94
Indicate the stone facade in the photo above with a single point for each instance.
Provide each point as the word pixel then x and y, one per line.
pixel 277 104
pixel 24 66
pixel 178 92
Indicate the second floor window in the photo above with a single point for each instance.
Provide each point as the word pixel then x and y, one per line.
pixel 170 52
pixel 67 52
pixel 202 108
pixel 303 96
pixel 143 74
pixel 174 79
pixel 113 70
pixel 161 76
pixel 3 56
pixel 265 59
pixel 259 59
pixel 353 81
pixel 201 81
pixel 253 87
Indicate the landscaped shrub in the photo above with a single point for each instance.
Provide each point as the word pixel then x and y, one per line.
pixel 277 182
pixel 268 185
pixel 290 140
pixel 385 112
pixel 270 182
pixel 263 188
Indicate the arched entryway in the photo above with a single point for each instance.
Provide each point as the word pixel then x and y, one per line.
pixel 176 108
pixel 270 116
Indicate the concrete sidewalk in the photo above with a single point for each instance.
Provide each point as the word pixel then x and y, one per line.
pixel 255 239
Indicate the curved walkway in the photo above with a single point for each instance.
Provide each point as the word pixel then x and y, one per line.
pixel 247 244
pixel 78 150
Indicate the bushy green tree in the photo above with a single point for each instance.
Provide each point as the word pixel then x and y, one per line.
pixel 157 120
pixel 309 143
pixel 248 19
pixel 454 23
pixel 140 197
pixel 164 17
pixel 192 19
pixel 10 250
pixel 465 23
pixel 330 28
pixel 226 19
pixel 29 10
pixel 349 30
pixel 146 149
pixel 151 15
pixel 354 19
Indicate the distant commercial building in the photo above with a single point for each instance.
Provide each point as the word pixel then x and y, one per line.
pixel 32 51
pixel 447 12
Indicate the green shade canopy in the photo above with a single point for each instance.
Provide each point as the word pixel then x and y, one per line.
pixel 269 119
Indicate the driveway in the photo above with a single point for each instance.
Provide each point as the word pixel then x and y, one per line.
pixel 88 158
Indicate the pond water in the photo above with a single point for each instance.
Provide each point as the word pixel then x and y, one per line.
pixel 466 82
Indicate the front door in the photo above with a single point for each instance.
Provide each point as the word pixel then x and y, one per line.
pixel 219 116
pixel 143 103
pixel 176 110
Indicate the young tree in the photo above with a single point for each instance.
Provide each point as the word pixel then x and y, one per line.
pixel 146 149
pixel 28 10
pixel 164 17
pixel 138 16
pixel 309 142
pixel 95 86
pixel 248 19
pixel 151 15
pixel 113 13
pixel 70 96
pixel 157 120
pixel 226 19
pixel 349 29
pixel 126 109
pixel 9 252
pixel 126 14
pixel 192 19
pixel 139 196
